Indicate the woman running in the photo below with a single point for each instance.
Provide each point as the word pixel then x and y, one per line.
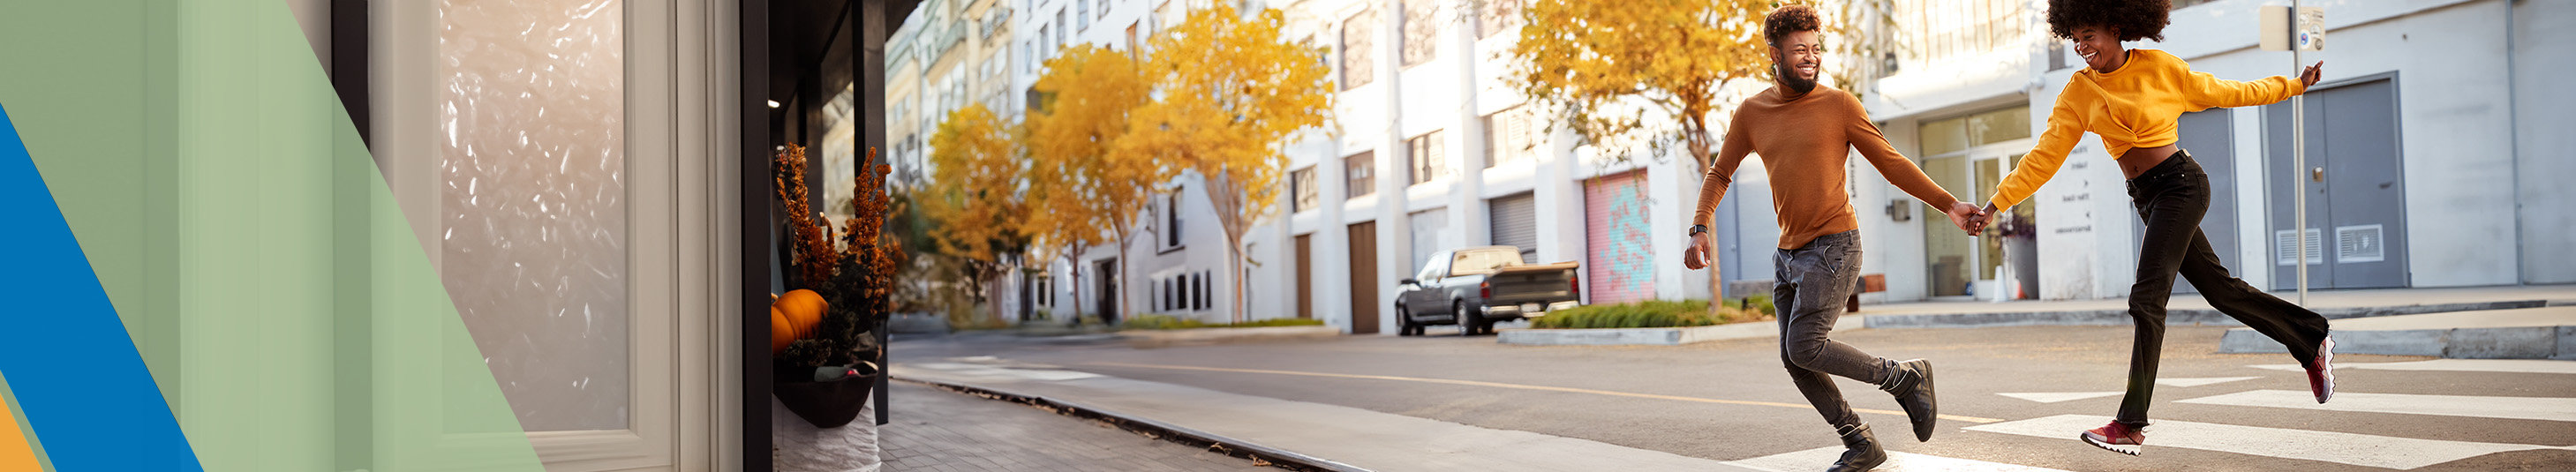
pixel 2132 98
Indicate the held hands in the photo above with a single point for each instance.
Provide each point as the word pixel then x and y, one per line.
pixel 2308 77
pixel 1968 217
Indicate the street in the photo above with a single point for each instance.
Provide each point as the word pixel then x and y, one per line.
pixel 2011 396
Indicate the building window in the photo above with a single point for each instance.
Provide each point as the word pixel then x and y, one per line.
pixel 1421 32
pixel 1059 34
pixel 1510 136
pixel 1496 16
pixel 1172 219
pixel 1429 160
pixel 1361 169
pixel 1204 285
pixel 1301 190
pixel 1104 8
pixel 1959 134
pixel 1082 13
pixel 1951 29
pixel 1358 32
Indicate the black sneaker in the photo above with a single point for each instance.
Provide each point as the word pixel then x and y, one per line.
pixel 1912 385
pixel 1860 451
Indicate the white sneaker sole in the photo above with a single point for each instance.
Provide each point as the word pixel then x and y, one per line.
pixel 2325 356
pixel 2130 449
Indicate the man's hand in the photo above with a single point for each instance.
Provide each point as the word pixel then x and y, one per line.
pixel 1968 217
pixel 1696 257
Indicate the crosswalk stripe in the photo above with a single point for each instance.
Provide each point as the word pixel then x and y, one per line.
pixel 1818 458
pixel 2054 397
pixel 2198 381
pixel 2327 446
pixel 2458 365
pixel 2522 408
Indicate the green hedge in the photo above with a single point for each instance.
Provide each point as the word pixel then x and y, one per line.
pixel 1650 314
pixel 1174 322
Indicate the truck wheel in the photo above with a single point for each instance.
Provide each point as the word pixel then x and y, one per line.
pixel 1469 323
pixel 1404 323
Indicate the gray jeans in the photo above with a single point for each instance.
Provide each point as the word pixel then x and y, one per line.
pixel 1813 282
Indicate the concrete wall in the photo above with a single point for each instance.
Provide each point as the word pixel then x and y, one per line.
pixel 2544 152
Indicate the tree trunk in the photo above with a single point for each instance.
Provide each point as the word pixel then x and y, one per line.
pixel 1124 236
pixel 1073 266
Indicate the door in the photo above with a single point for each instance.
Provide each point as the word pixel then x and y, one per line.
pixel 1305 278
pixel 1363 267
pixel 1947 252
pixel 1620 266
pixel 2356 194
pixel 1514 222
pixel 1108 278
pixel 2210 136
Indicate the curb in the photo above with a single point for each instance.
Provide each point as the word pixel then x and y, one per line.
pixel 2188 316
pixel 1148 339
pixel 1655 336
pixel 2522 342
pixel 1157 429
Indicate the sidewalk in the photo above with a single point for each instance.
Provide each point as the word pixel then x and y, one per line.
pixel 2186 309
pixel 1314 435
pixel 938 430
pixel 2528 333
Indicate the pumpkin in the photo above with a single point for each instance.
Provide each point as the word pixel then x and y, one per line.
pixel 803 309
pixel 780 332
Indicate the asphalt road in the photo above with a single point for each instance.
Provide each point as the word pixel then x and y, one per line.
pixel 1731 401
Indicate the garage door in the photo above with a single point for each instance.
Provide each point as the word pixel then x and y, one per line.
pixel 1618 266
pixel 1515 223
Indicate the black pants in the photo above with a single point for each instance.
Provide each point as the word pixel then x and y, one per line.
pixel 1812 283
pixel 2172 197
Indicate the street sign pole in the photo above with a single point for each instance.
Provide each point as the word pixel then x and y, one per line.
pixel 2299 154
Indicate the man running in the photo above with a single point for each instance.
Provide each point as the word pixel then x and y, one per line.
pixel 1804 132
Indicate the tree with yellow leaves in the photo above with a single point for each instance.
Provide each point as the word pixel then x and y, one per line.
pixel 1079 189
pixel 1230 93
pixel 974 195
pixel 1652 72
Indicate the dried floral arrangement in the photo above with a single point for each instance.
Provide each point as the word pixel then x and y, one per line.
pixel 853 267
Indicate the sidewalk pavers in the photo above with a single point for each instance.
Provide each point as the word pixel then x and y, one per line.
pixel 1317 435
pixel 939 430
pixel 2528 333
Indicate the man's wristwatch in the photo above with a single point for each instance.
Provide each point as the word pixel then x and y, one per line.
pixel 1697 229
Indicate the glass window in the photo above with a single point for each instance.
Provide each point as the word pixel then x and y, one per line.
pixel 1082 14
pixel 1360 169
pixel 1509 137
pixel 1998 126
pixel 1421 32
pixel 1301 185
pixel 1473 262
pixel 1429 160
pixel 1496 16
pixel 533 203
pixel 1357 33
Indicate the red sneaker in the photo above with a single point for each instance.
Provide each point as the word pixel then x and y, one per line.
pixel 2116 437
pixel 2321 371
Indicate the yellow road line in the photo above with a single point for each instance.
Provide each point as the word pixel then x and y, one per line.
pixel 1545 388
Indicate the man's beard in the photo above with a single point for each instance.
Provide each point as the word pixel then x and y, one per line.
pixel 1789 77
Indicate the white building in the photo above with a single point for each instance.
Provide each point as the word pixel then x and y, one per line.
pixel 2436 154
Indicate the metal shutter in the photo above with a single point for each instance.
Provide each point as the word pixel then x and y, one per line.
pixel 1515 223
pixel 1618 265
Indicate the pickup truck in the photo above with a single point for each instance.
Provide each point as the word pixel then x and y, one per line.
pixel 1476 287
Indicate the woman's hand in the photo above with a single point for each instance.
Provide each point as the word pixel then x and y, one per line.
pixel 2308 78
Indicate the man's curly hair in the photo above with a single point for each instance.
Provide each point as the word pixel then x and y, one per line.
pixel 1789 19
pixel 2133 19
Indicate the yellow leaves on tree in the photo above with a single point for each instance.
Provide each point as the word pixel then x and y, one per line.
pixel 1231 93
pixel 1603 62
pixel 974 196
pixel 1078 185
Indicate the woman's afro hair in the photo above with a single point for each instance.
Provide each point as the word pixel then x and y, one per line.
pixel 1789 19
pixel 2133 19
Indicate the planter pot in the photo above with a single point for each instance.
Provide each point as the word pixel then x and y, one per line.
pixel 826 404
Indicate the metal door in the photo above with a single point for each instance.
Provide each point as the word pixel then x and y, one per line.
pixel 1514 221
pixel 2356 194
pixel 2210 136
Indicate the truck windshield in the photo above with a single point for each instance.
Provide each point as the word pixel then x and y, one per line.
pixel 1483 261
